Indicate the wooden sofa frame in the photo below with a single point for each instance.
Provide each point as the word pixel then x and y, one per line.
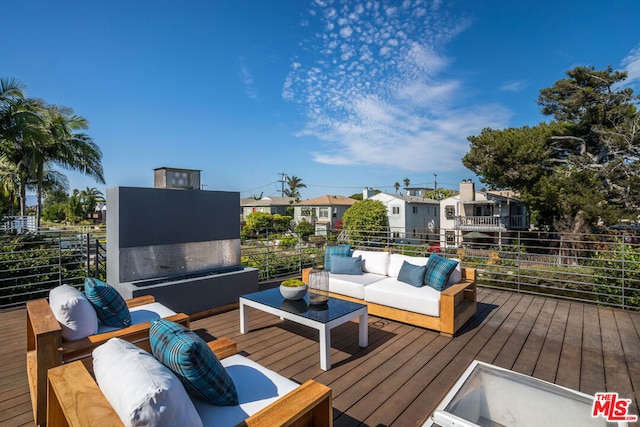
pixel 458 304
pixel 46 348
pixel 75 400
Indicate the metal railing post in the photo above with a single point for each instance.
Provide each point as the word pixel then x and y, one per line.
pixel 88 254
pixel 518 259
pixel 623 274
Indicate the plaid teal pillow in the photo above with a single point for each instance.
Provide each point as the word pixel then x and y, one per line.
pixel 438 270
pixel 338 250
pixel 191 359
pixel 110 307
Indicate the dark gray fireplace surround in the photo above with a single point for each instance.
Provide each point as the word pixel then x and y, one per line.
pixel 181 246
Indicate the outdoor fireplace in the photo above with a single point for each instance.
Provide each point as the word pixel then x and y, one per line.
pixel 180 245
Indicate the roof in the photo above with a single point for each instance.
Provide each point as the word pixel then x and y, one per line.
pixel 328 200
pixel 268 201
pixel 408 199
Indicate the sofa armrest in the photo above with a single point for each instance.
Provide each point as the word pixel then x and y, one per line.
pixel 457 305
pixel 75 400
pixel 40 322
pixel 142 300
pixel 223 347
pixel 308 405
pixel 73 350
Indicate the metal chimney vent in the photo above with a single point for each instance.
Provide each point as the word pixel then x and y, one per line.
pixel 188 179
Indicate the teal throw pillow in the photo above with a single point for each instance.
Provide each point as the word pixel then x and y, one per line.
pixel 193 362
pixel 412 274
pixel 346 265
pixel 438 271
pixel 110 307
pixel 339 250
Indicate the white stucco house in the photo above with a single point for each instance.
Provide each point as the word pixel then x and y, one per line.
pixel 411 218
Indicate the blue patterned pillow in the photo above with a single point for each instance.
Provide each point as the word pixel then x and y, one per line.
pixel 338 250
pixel 110 307
pixel 438 271
pixel 412 274
pixel 191 359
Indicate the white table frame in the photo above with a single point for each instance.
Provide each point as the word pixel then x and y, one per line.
pixel 323 328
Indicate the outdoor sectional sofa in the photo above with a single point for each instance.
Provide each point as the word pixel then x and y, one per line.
pixel 47 346
pixel 386 296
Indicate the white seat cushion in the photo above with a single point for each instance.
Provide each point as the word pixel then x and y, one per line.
pixel 352 285
pixel 393 293
pixel 374 261
pixel 142 313
pixel 257 388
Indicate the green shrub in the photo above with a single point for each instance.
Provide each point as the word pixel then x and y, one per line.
pixel 305 229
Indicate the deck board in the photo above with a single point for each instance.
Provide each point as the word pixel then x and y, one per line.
pixel 404 372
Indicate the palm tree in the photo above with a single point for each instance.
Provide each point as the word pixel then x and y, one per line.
pixel 64 146
pixel 10 89
pixel 294 184
pixel 20 129
pixel 90 197
pixel 406 183
pixel 9 183
pixel 35 136
pixel 396 185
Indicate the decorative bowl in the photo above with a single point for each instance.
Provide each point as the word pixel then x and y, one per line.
pixel 293 292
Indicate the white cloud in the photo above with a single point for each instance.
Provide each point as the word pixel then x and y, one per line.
pixel 247 81
pixel 514 86
pixel 631 64
pixel 378 97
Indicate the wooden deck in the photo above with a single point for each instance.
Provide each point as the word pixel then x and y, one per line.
pixel 405 371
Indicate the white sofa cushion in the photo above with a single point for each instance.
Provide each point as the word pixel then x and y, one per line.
pixel 396 260
pixel 142 313
pixel 374 261
pixel 74 312
pixel 257 388
pixel 393 293
pixel 352 285
pixel 140 389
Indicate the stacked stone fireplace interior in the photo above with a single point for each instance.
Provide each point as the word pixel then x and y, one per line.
pixel 181 245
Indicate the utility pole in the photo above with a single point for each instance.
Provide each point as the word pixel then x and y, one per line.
pixel 435 181
pixel 282 181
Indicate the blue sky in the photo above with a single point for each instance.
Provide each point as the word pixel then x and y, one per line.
pixel 343 94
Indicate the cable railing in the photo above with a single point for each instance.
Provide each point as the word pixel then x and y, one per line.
pixel 596 268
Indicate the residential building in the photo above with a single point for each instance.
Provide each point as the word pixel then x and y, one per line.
pixel 269 204
pixel 486 217
pixel 417 191
pixel 411 218
pixel 325 212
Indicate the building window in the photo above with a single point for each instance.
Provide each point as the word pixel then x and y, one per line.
pixel 415 209
pixel 451 237
pixel 334 212
pixel 324 212
pixel 304 211
pixel 450 211
pixel 395 210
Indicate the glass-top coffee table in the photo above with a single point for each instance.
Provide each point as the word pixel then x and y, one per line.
pixel 323 317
